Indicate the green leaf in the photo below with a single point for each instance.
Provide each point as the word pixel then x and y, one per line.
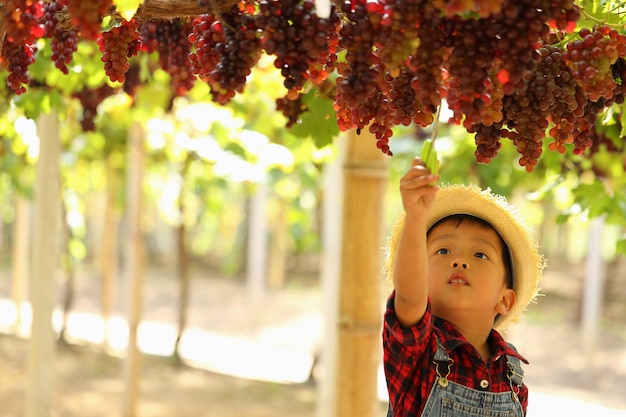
pixel 562 218
pixel 621 246
pixel 318 122
pixel 33 102
pixel 623 123
pixel 127 8
pixel 599 206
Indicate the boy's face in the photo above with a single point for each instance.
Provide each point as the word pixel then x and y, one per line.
pixel 467 272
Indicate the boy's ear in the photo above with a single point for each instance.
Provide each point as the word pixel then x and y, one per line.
pixel 506 302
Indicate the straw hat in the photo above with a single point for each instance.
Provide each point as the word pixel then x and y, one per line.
pixel 527 263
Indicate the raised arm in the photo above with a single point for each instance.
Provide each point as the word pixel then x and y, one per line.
pixel 410 277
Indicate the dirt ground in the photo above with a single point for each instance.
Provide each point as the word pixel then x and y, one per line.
pixel 89 383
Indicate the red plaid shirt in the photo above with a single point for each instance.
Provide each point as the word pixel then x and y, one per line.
pixel 409 368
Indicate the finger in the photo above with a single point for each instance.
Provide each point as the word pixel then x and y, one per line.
pixel 425 181
pixel 417 161
pixel 416 171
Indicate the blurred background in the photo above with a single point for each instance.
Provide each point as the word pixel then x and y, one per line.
pixel 239 275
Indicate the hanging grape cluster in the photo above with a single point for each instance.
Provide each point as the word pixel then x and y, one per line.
pixel 117 45
pixel 168 38
pixel 63 41
pixel 508 70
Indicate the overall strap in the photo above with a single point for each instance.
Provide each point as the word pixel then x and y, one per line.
pixel 515 373
pixel 441 355
pixel 515 370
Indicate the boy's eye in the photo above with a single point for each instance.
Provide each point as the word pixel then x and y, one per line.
pixel 481 255
pixel 442 251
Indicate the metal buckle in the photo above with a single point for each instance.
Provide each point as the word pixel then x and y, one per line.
pixel 443 379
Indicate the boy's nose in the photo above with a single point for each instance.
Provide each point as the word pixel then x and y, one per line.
pixel 457 264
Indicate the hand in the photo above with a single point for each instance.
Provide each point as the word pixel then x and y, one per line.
pixel 418 188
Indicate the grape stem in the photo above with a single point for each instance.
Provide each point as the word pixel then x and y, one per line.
pixel 436 124
pixel 216 9
pixel 600 21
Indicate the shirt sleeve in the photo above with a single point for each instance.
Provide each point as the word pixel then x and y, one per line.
pixel 403 347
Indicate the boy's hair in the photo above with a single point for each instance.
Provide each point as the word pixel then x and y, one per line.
pixel 457 219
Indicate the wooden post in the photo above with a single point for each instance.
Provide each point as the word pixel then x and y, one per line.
pixel 329 275
pixel 256 262
pixel 21 252
pixel 360 313
pixel 45 257
pixel 593 290
pixel 277 251
pixel 134 267
pixel 109 264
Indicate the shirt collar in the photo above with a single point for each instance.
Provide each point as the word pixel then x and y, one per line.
pixel 451 338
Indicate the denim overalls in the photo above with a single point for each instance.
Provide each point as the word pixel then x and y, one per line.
pixel 449 399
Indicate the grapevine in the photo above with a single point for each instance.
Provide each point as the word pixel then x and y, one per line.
pixel 228 47
pixel 90 99
pixel 64 42
pixel 304 45
pixel 526 72
pixel 16 58
pixel 87 15
pixel 359 94
pixel 117 45
pixel 170 39
pixel 23 20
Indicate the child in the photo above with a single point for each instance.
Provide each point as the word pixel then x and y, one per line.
pixel 463 266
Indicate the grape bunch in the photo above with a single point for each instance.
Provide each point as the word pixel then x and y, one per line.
pixel 550 98
pixel 133 80
pixel 236 41
pixel 87 15
pixel 205 38
pixel 90 99
pixel 23 20
pixel 397 38
pixel 169 38
pixel 404 107
pixel 585 132
pixel 469 64
pixel 427 62
pixel 117 45
pixel 591 57
pixel 63 42
pixel 487 140
pixel 304 44
pixel 358 91
pixel 553 100
pixel 16 58
pixel 291 109
pixel 178 65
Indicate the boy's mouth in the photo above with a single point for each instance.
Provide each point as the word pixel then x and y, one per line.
pixel 458 279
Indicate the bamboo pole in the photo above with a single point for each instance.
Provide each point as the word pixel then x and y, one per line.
pixel 359 322
pixel 45 254
pixel 134 267
pixel 332 209
pixel 20 269
pixel 109 260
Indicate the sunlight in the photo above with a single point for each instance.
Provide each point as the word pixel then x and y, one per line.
pixel 257 358
pixel 27 129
